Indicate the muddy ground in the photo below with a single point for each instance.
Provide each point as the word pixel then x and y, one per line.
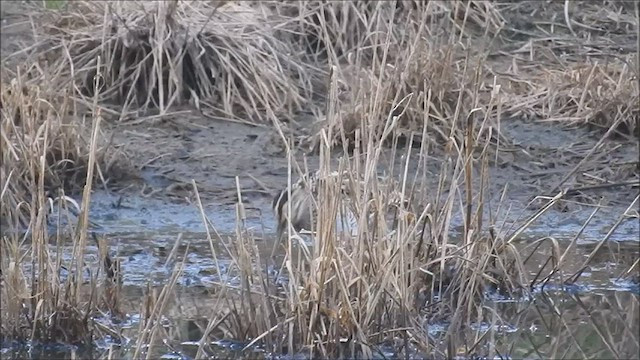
pixel 144 213
pixel 169 155
pixel 167 152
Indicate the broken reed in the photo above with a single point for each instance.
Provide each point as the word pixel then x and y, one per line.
pixel 45 150
pixel 349 292
pixel 46 296
pixel 153 58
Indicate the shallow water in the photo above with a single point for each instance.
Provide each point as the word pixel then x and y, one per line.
pixel 142 234
pixel 530 329
pixel 129 215
pixel 524 327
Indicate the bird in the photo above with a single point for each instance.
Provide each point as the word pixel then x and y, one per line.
pixel 300 202
pixel 300 197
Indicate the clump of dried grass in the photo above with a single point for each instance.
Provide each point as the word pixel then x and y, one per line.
pixel 223 55
pixel 415 68
pixel 335 29
pixel 39 303
pixel 603 94
pixel 349 293
pixel 50 150
pixel 328 28
pixel 45 145
pixel 46 151
pixel 419 59
pixel 573 64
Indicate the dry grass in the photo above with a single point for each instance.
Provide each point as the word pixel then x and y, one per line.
pixel 346 294
pixel 48 151
pixel 578 66
pixel 395 72
pixel 573 64
pixel 601 94
pixel 584 76
pixel 48 294
pixel 224 56
pixel 419 61
pixel 343 295
pixel 39 304
pixel 45 146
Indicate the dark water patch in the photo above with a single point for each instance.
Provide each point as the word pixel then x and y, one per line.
pixel 37 350
pixel 570 317
pixel 558 324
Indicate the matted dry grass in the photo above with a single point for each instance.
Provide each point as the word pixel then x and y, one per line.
pixel 45 144
pixel 395 70
pixel 262 60
pixel 594 93
pixel 573 63
pixel 224 56
pixel 244 58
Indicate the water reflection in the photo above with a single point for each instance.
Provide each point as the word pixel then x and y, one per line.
pixel 597 317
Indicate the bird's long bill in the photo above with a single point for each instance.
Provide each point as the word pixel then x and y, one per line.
pixel 278 204
pixel 282 228
pixel 278 208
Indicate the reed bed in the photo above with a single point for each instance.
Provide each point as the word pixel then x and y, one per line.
pixel 414 56
pixel 51 292
pixel 45 147
pixel 579 68
pixel 600 94
pixel 41 151
pixel 403 76
pixel 230 57
pixel 346 294
pixel 545 70
pixel 223 56
pixel 240 58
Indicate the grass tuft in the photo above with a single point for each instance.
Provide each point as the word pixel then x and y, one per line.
pixel 223 56
pixel 406 78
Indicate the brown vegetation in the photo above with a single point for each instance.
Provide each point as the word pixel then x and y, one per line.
pixel 429 73
pixel 45 148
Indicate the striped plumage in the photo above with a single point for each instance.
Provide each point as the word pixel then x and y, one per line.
pixel 300 208
pixel 300 198
pixel 302 204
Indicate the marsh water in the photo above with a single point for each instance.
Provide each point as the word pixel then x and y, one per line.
pixel 596 317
